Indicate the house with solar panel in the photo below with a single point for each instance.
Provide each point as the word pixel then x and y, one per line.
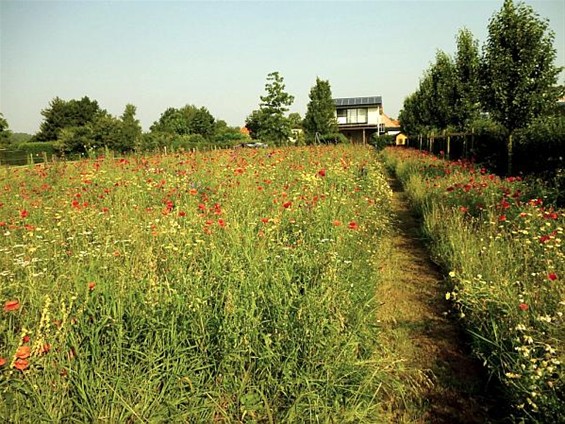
pixel 358 118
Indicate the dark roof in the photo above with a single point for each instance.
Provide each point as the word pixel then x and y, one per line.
pixel 358 101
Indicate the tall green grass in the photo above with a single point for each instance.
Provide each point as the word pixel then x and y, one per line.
pixel 228 286
pixel 503 249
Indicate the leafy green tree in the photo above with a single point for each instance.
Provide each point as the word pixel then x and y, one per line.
pixel 185 121
pixel 5 132
pixel 296 121
pixel 130 129
pixel 467 68
pixel 106 132
pixel 201 122
pixel 518 68
pixel 61 114
pixel 433 106
pixel 170 121
pixel 253 123
pixel 320 113
pixel 228 136
pixel 274 125
pixel 443 98
pixel 409 118
pixel 75 140
pixel 17 138
pixel 416 116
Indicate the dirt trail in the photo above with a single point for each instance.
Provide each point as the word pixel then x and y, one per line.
pixel 444 384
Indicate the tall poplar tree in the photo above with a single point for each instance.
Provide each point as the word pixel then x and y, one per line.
pixel 320 113
pixel 518 68
pixel 467 67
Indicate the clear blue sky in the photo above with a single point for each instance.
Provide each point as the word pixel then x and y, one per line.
pixel 158 54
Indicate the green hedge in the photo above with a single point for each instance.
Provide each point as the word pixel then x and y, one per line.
pixel 24 153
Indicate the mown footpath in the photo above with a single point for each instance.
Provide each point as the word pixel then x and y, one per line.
pixel 440 381
pixel 501 243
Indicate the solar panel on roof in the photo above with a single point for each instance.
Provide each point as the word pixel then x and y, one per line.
pixel 354 101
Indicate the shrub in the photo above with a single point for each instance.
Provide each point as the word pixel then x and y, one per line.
pixel 37 148
pixel 540 148
pixel 381 141
pixel 335 138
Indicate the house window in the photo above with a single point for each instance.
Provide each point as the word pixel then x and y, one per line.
pixel 352 116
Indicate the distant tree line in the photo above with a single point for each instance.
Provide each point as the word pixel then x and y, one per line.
pixel 82 126
pixel 507 88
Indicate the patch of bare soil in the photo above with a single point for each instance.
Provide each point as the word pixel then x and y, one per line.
pixel 444 384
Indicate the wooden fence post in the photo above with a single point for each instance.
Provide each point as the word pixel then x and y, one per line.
pixel 472 139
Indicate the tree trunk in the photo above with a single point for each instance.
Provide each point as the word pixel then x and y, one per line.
pixel 509 158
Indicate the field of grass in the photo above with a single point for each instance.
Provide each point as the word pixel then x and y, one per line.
pixel 502 246
pixel 228 286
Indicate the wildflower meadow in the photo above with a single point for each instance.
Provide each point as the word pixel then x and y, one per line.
pixel 224 286
pixel 501 243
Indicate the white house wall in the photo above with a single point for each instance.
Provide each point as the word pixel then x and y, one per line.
pixel 373 116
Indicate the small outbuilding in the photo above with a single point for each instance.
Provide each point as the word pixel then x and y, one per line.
pixel 400 139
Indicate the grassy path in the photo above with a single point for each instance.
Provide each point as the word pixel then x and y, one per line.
pixel 442 384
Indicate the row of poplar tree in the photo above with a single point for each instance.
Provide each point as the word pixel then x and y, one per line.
pixel 510 83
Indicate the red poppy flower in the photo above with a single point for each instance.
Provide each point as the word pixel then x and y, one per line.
pixel 24 213
pixel 550 215
pixel 353 225
pixel 336 223
pixel 264 220
pixel 287 205
pixel 2 361
pixel 523 306
pixel 23 352
pixel 322 173
pixel 543 239
pixel 502 218
pixel 91 286
pixel 11 305
pixel 25 339
pixel 552 276
pixel 21 364
pixel 221 222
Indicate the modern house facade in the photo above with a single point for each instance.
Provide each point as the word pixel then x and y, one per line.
pixel 358 118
